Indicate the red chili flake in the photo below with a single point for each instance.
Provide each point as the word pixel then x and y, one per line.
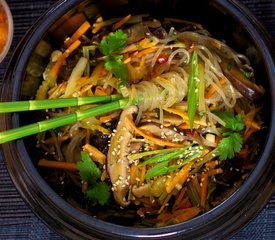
pixel 162 59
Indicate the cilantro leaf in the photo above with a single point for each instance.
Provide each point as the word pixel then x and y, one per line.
pixel 114 63
pixel 229 145
pixel 116 41
pixel 88 170
pixel 99 193
pixel 232 122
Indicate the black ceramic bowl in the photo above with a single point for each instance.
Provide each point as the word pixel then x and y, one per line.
pixel 227 20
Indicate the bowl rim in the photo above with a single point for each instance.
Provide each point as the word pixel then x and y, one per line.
pixel 169 232
pixel 10 30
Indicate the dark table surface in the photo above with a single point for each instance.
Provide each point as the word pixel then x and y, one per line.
pixel 17 221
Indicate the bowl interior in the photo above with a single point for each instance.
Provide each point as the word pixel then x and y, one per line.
pixel 223 20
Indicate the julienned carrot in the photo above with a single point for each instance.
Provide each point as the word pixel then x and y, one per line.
pixel 100 24
pixel 55 69
pixel 133 169
pixel 196 185
pixel 164 217
pixel 96 74
pixel 103 175
pixel 155 140
pixel 144 52
pixel 79 32
pixel 180 177
pixel 61 165
pixel 121 22
pixel 142 174
pixel 204 184
pixel 211 164
pixel 179 199
pixel 185 214
pixel 214 172
pixel 212 90
pixel 184 115
pixel 142 44
pixel 107 118
pixel 127 60
pixel 100 91
pixel 152 145
pixel 94 153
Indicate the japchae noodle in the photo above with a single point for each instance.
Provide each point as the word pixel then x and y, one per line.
pixel 183 143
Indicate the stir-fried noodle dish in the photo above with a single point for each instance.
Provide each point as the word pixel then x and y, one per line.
pixel 179 135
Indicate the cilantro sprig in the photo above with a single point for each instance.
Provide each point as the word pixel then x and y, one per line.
pixel 113 43
pixel 98 192
pixel 232 140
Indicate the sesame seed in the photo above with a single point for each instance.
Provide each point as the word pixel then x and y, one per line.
pixel 178 187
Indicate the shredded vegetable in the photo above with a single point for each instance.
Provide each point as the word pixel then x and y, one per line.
pixel 145 119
